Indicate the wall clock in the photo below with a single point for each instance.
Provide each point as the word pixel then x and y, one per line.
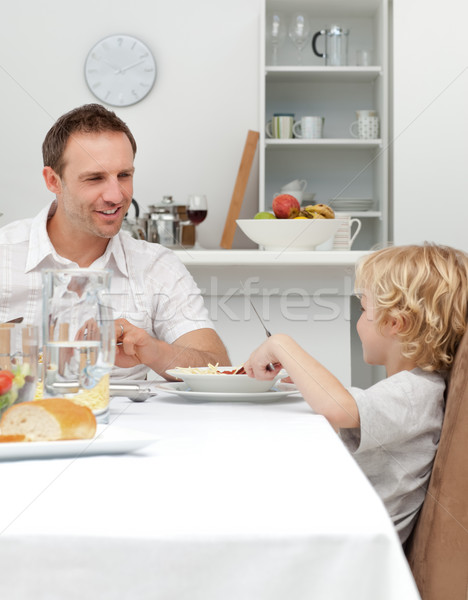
pixel 120 70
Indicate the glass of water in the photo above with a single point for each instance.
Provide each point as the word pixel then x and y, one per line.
pixel 78 337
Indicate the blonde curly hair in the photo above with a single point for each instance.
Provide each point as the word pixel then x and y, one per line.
pixel 426 289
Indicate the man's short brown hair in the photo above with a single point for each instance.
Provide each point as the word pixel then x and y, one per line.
pixel 90 118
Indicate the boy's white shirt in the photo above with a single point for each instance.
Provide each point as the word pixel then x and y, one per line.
pixel 395 445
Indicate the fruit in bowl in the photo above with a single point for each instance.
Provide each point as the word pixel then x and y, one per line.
pixel 291 227
pixel 286 206
pixel 318 211
pixel 264 215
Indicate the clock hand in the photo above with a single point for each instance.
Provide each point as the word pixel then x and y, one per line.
pixel 135 64
pixel 116 69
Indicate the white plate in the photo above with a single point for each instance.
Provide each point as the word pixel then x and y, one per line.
pixel 108 440
pixel 346 204
pixel 350 207
pixel 219 383
pixel 343 199
pixel 279 392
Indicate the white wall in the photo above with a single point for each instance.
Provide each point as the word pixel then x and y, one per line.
pixel 192 127
pixel 431 122
pixel 190 130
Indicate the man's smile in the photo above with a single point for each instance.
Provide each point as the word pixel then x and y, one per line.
pixel 110 211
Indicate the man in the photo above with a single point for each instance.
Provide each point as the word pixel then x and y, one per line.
pixel 161 320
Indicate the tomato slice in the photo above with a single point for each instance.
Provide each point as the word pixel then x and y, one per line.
pixel 240 371
pixel 6 381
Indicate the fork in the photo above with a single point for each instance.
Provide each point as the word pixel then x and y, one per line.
pixel 270 366
pixel 268 334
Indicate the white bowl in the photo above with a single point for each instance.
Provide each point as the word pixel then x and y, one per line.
pixel 289 234
pixel 225 383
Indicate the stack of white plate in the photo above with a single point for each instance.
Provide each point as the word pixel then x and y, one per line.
pixel 351 204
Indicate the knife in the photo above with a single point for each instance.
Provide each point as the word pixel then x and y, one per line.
pixel 137 391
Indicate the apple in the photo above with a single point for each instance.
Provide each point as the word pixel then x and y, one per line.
pixel 286 206
pixel 264 215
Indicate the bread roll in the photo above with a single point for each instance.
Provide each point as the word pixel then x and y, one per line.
pixel 49 419
pixel 12 438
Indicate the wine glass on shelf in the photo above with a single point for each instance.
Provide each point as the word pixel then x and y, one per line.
pixel 299 30
pixel 275 33
pixel 197 210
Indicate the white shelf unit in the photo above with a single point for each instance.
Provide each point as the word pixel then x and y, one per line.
pixel 336 165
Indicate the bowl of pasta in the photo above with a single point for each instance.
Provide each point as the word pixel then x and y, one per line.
pixel 222 379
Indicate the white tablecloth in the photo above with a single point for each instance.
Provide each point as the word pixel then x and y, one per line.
pixel 234 501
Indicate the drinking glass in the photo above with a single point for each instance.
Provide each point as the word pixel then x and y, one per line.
pixel 78 337
pixel 275 33
pixel 197 210
pixel 299 30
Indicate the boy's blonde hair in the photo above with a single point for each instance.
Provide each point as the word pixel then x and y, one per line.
pixel 426 289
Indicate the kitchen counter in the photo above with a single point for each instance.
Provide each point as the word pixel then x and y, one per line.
pixel 264 258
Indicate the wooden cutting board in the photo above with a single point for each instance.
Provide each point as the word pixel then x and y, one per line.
pixel 239 188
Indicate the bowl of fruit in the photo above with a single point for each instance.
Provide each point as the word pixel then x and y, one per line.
pixel 290 227
pixel 18 363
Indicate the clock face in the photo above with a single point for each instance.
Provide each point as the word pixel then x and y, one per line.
pixel 120 70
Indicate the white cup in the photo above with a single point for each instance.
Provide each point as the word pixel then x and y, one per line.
pixel 296 193
pixel 344 238
pixel 297 184
pixel 280 127
pixel 361 113
pixel 309 127
pixel 367 128
pixel 363 58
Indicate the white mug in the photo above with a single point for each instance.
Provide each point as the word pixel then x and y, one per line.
pixel 343 239
pixel 280 127
pixel 297 184
pixel 365 113
pixel 309 127
pixel 367 128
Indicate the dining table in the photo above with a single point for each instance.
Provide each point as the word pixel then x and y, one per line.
pixel 197 498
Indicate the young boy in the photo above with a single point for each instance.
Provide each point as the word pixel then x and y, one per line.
pixel 414 303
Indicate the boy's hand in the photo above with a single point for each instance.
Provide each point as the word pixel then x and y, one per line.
pixel 263 363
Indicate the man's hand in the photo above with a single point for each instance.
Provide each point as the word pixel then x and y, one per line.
pixel 134 345
pixel 196 348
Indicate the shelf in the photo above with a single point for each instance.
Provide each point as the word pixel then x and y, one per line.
pixel 330 74
pixel 337 164
pixel 374 214
pixel 323 142
pixel 330 8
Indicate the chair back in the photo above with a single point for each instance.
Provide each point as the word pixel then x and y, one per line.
pixel 437 550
